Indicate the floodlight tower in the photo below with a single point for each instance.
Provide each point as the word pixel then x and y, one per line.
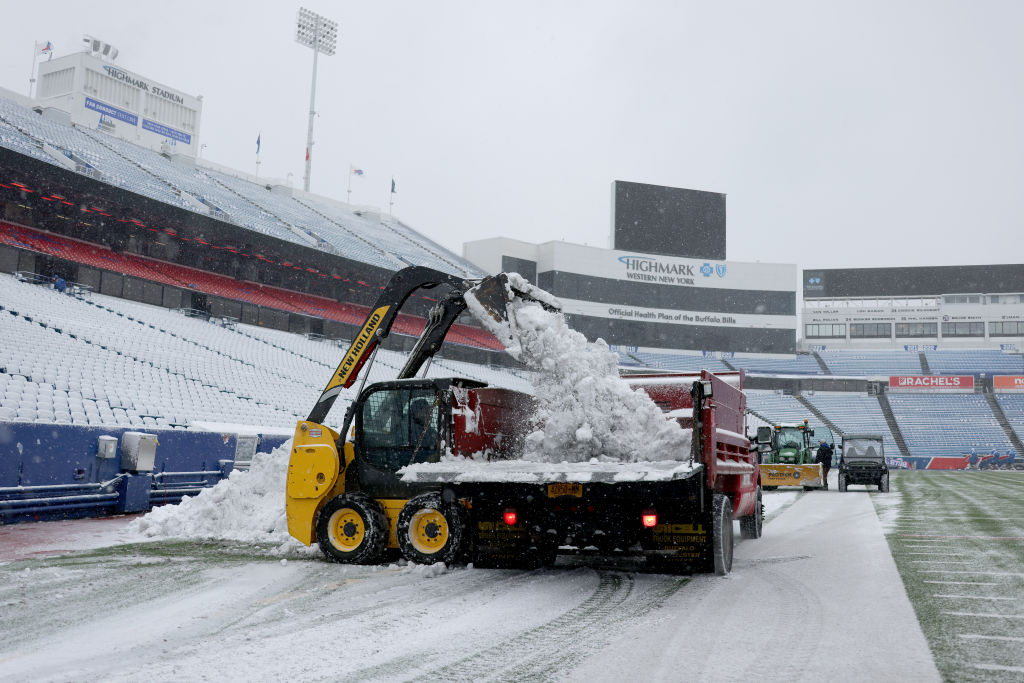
pixel 321 34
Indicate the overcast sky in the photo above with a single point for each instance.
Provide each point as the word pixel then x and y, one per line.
pixel 844 134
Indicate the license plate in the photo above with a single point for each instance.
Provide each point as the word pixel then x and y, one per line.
pixel 565 489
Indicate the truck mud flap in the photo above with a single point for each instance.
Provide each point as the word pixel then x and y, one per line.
pixel 791 475
pixel 680 548
pixel 496 544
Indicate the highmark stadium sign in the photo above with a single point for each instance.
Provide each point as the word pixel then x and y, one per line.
pixel 125 77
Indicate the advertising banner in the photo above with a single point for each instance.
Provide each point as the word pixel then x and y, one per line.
pixel 166 131
pixel 112 112
pixel 661 315
pixel 931 383
pixel 1008 383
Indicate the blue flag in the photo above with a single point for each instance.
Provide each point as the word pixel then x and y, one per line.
pixel 392 186
pixel 258 136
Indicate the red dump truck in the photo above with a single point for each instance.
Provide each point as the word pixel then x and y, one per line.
pixel 432 466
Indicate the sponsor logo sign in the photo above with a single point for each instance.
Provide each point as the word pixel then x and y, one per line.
pixel 166 131
pixel 931 382
pixel 1008 347
pixel 1008 383
pixel 651 269
pixel 920 347
pixel 814 282
pixel 112 112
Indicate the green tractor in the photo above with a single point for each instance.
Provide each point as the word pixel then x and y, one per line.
pixel 788 452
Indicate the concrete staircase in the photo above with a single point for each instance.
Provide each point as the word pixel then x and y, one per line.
pixel 997 410
pixel 890 419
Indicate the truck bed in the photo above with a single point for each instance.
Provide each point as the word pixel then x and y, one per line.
pixel 458 470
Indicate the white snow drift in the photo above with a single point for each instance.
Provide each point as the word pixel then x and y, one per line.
pixel 586 410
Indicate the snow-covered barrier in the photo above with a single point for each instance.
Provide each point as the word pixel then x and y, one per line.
pixel 58 471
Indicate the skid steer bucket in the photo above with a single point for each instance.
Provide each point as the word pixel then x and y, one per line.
pixel 493 302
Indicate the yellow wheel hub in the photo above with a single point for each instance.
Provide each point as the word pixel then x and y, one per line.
pixel 346 529
pixel 428 531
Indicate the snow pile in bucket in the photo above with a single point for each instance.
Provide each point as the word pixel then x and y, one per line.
pixel 248 506
pixel 586 410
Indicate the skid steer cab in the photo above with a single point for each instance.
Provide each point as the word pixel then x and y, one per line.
pixel 350 499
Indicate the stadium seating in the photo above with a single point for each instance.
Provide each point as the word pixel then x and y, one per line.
pixel 802 364
pixel 309 221
pixel 1013 408
pixel 776 406
pixel 220 285
pixel 872 363
pixel 976 361
pixel 111 361
pixel 854 414
pixel 937 425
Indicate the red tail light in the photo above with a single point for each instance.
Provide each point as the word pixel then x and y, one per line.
pixel 510 516
pixel 649 518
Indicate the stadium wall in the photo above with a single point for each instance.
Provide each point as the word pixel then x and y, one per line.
pixel 52 471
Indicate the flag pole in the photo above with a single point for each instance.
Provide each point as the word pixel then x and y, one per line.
pixel 32 76
pixel 349 199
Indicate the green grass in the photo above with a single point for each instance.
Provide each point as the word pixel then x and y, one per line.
pixel 958 542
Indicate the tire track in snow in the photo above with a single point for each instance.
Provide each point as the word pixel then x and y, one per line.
pixel 546 651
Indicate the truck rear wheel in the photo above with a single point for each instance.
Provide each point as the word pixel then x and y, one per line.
pixel 750 526
pixel 842 482
pixel 430 530
pixel 721 532
pixel 883 483
pixel 352 528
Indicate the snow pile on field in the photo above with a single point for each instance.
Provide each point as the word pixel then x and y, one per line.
pixel 248 506
pixel 586 410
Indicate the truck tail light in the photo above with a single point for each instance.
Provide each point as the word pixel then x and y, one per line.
pixel 649 518
pixel 510 516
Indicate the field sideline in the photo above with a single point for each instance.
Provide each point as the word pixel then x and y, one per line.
pixel 958 542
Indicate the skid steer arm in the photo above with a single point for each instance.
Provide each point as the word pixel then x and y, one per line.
pixel 377 327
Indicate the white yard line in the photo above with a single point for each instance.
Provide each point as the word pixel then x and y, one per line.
pixel 987 615
pixel 976 573
pixel 997 667
pixel 941 554
pixel 943 561
pixel 978 636
pixel 971 597
pixel 967 583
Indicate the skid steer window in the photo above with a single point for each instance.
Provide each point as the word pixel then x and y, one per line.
pixel 400 427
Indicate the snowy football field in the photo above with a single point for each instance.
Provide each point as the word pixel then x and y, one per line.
pixel 820 596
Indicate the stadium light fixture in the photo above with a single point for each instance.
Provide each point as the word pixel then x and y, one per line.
pixel 321 35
